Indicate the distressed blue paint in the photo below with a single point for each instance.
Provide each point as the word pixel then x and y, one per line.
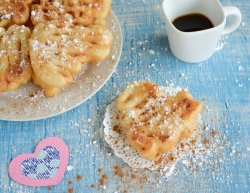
pixel 219 81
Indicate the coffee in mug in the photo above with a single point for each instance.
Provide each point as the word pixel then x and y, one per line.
pixel 192 38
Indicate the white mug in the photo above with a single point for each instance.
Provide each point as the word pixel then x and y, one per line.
pixel 197 46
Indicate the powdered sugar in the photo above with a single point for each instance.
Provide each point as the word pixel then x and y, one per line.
pixel 122 149
pixel 7 16
pixel 221 43
pixel 29 103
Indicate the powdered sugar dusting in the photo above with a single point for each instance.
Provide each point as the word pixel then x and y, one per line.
pixel 7 16
pixel 122 149
pixel 221 43
pixel 29 103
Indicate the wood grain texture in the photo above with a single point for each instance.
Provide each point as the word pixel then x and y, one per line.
pixel 223 82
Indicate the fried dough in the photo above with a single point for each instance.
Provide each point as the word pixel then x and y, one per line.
pixel 153 122
pixel 58 50
pixel 15 68
pixel 84 12
pixel 14 12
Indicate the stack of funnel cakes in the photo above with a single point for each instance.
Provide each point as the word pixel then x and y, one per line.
pixel 153 122
pixel 15 66
pixel 59 50
pixel 51 41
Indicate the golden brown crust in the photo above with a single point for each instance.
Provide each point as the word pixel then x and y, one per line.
pixel 15 66
pixel 84 12
pixel 153 122
pixel 14 12
pixel 58 50
pixel 56 55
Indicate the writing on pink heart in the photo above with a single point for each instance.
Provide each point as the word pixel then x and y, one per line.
pixel 45 167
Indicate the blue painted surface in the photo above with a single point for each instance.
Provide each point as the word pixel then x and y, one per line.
pixel 222 82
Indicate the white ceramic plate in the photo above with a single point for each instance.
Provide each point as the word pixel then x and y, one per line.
pixel 28 102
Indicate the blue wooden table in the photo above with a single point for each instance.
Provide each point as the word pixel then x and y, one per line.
pixel 222 83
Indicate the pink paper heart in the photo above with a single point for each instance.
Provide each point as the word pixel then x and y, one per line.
pixel 44 167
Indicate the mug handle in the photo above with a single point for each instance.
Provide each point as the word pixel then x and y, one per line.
pixel 235 13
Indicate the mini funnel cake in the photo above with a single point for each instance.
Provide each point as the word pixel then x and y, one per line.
pixel 15 68
pixel 59 49
pixel 84 12
pixel 14 12
pixel 153 122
